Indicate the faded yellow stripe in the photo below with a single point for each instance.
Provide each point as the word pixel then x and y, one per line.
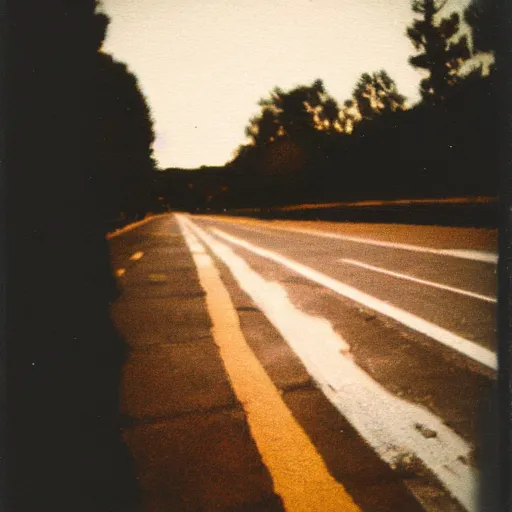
pixel 298 471
pixel 133 225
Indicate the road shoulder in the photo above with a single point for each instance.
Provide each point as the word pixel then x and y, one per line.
pixel 183 425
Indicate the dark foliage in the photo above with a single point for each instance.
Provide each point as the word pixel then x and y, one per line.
pixel 424 151
pixel 441 48
pixel 124 134
pixel 63 449
pixel 483 18
pixel 304 148
pixel 377 94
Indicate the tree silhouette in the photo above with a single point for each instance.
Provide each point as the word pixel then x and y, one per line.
pixel 284 137
pixel 295 111
pixel 124 134
pixel 263 129
pixel 482 17
pixel 64 362
pixel 348 116
pixel 441 53
pixel 296 114
pixel 304 147
pixel 376 94
pixel 329 115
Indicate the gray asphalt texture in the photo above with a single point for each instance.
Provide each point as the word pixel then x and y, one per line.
pixel 185 429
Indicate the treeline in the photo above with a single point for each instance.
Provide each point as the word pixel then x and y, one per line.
pixel 305 147
pixel 192 189
pixel 123 130
pixel 61 355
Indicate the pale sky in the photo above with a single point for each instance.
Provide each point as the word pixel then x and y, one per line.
pixel 203 65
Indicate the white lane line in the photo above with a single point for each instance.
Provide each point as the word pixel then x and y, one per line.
pixel 484 256
pixel 136 256
pixel 298 471
pixel 448 338
pixel 388 423
pixel 471 254
pixel 417 280
pixel 467 254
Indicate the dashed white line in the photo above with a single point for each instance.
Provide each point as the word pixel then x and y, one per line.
pixel 417 280
pixel 483 256
pixel 448 338
pixel 388 423
pixel 468 254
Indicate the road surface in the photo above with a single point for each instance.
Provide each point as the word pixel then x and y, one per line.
pixel 360 354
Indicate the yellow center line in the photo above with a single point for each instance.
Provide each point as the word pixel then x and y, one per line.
pixel 133 225
pixel 298 471
pixel 120 272
pixel 136 256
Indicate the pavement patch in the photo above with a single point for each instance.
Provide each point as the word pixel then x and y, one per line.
pixel 161 320
pixel 208 462
pixel 174 379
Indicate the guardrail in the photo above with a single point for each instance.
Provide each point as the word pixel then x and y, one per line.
pixel 474 212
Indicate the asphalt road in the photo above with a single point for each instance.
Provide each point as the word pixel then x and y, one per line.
pixel 379 338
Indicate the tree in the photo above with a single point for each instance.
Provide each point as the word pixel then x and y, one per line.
pixel 329 115
pixel 286 137
pixel 441 52
pixel 348 116
pixel 376 94
pixel 64 364
pixel 296 114
pixel 124 135
pixel 296 111
pixel 263 129
pixel 482 17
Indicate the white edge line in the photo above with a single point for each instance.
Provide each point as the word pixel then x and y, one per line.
pixel 482 256
pixel 466 347
pixel 417 280
pixel 300 454
pixel 442 456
